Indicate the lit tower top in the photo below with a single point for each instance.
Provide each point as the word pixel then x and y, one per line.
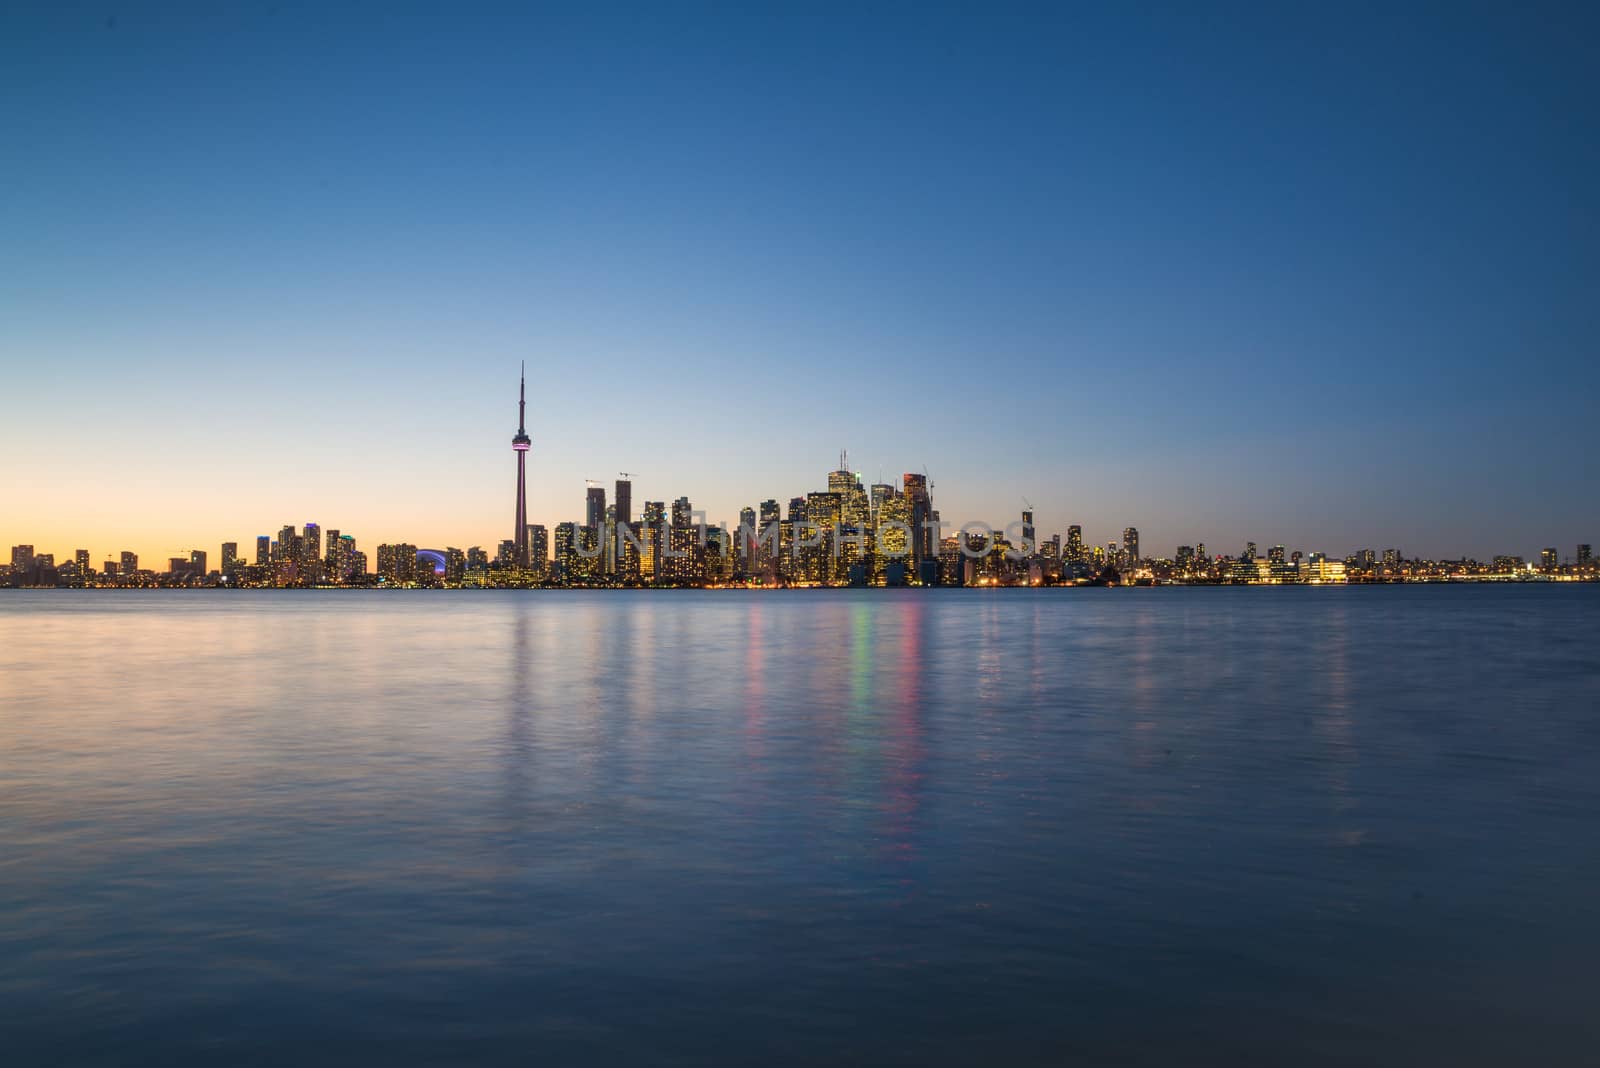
pixel 522 443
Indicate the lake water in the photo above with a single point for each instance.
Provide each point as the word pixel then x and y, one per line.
pixel 1243 825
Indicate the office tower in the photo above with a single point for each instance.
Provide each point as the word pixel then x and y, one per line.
pixel 1029 537
pixel 566 549
pixel 311 546
pixel 744 548
pixel 1200 552
pixel 916 490
pixel 521 443
pixel 1249 551
pixel 1585 556
pixel 197 561
pixel 1130 544
pixel 1391 559
pixel 651 539
pixel 624 501
pixel 822 518
pixel 682 512
pixel 81 558
pixel 478 559
pixel 595 511
pixel 770 520
pixel 230 554
pixel 892 540
pixel 332 569
pixel 1275 554
pixel 1074 542
pixel 855 508
pixel 1051 548
pixel 1184 556
pixel 506 554
pixel 263 550
pixel 455 565
pixel 1548 559
pixel 21 557
pixel 129 564
pixel 881 492
pixel 538 546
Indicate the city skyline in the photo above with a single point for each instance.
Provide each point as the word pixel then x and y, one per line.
pixel 1170 270
pixel 517 550
pixel 851 533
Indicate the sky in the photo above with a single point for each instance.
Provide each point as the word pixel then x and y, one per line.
pixel 1285 273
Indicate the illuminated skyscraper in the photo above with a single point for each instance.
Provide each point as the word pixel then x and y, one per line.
pixel 263 550
pixel 521 443
pixel 538 546
pixel 1075 542
pixel 1130 544
pixel 920 509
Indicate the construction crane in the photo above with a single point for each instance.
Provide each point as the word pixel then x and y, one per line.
pixel 627 474
pixel 593 482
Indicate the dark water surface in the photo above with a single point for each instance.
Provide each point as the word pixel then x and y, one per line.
pixel 1273 826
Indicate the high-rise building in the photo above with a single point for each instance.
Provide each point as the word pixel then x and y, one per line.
pixel 521 443
pixel 21 557
pixel 595 511
pixel 1275 554
pixel 624 501
pixel 682 512
pixel 1074 550
pixel 81 558
pixel 1549 559
pixel 744 546
pixel 1030 539
pixel 1585 558
pixel 129 564
pixel 197 561
pixel 230 554
pixel 917 491
pixel 1130 544
pixel 538 547
pixel 263 550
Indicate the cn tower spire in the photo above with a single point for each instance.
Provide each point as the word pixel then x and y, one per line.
pixel 522 443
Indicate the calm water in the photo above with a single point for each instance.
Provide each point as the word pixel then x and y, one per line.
pixel 1121 827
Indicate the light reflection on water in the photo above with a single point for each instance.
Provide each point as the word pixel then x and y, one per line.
pixel 1134 826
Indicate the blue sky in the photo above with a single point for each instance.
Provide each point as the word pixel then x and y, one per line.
pixel 1313 276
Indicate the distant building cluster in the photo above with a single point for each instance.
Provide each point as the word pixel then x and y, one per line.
pixel 848 534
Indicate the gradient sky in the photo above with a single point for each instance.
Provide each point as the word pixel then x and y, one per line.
pixel 1321 276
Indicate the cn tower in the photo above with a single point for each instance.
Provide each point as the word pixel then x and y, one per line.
pixel 522 443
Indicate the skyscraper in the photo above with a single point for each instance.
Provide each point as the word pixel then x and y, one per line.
pixel 624 501
pixel 522 443
pixel 538 546
pixel 1130 544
